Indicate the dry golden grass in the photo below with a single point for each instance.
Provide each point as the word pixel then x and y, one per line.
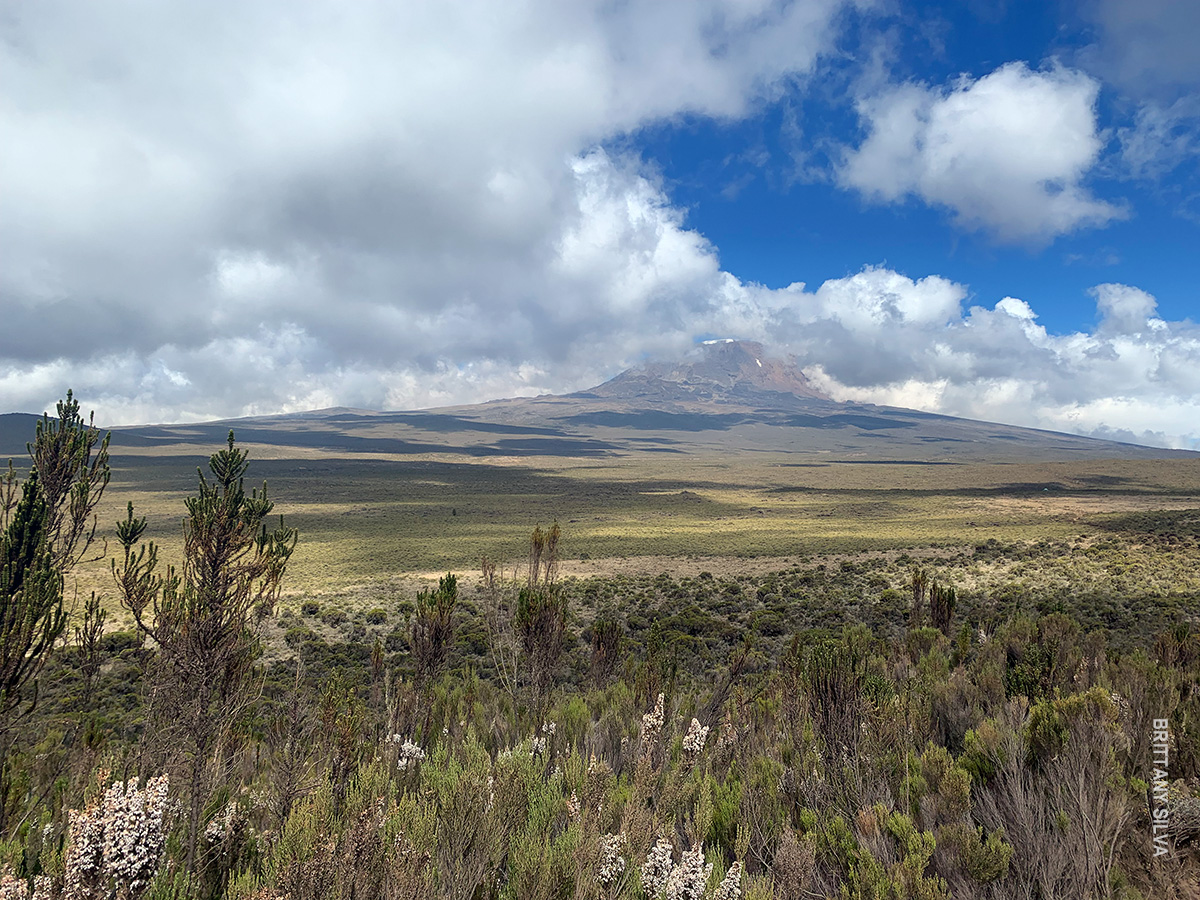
pixel 368 520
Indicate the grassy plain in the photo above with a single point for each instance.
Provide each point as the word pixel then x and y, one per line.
pixel 797 567
pixel 372 523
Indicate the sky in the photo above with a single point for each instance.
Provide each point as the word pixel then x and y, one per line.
pixel 984 208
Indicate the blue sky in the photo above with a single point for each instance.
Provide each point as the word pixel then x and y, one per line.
pixel 986 209
pixel 774 218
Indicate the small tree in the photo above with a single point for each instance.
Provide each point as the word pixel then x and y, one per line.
pixel 42 535
pixel 46 526
pixel 31 607
pixel 204 619
pixel 431 634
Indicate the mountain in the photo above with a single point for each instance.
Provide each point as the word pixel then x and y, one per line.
pixel 720 371
pixel 725 397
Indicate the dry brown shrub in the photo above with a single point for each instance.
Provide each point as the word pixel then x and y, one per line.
pixel 793 867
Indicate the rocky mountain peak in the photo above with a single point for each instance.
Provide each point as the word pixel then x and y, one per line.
pixel 715 370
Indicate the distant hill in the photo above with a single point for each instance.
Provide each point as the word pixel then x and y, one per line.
pixel 726 397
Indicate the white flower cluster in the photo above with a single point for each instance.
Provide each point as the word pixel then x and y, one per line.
pixel 652 722
pixel 612 859
pixel 133 835
pixel 540 744
pixel 694 740
pixel 120 838
pixel 731 885
pixel 12 888
pixel 657 867
pixel 410 755
pixel 661 878
pixel 225 824
pixel 689 878
pixel 728 735
pixel 84 859
pixel 573 807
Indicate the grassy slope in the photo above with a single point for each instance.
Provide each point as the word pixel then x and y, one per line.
pixel 366 518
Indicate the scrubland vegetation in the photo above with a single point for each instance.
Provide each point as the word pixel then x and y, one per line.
pixel 971 722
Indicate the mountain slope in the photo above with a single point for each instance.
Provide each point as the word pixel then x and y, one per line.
pixel 727 397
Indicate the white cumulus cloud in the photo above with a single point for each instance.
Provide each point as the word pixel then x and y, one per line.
pixel 369 203
pixel 1135 375
pixel 1006 153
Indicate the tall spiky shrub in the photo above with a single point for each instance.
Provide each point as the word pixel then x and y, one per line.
pixel 431 634
pixel 71 462
pixel 606 646
pixel 541 614
pixel 204 619
pixel 44 534
pixel 919 584
pixel 834 678
pixel 942 601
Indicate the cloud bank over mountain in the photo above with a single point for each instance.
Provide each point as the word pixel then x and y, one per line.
pixel 401 206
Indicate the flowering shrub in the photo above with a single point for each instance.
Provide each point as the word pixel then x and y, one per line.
pixel 694 740
pixel 687 880
pixel 652 722
pixel 658 865
pixel 410 755
pixel 612 860
pixel 12 888
pixel 730 887
pixel 225 825
pixel 118 840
